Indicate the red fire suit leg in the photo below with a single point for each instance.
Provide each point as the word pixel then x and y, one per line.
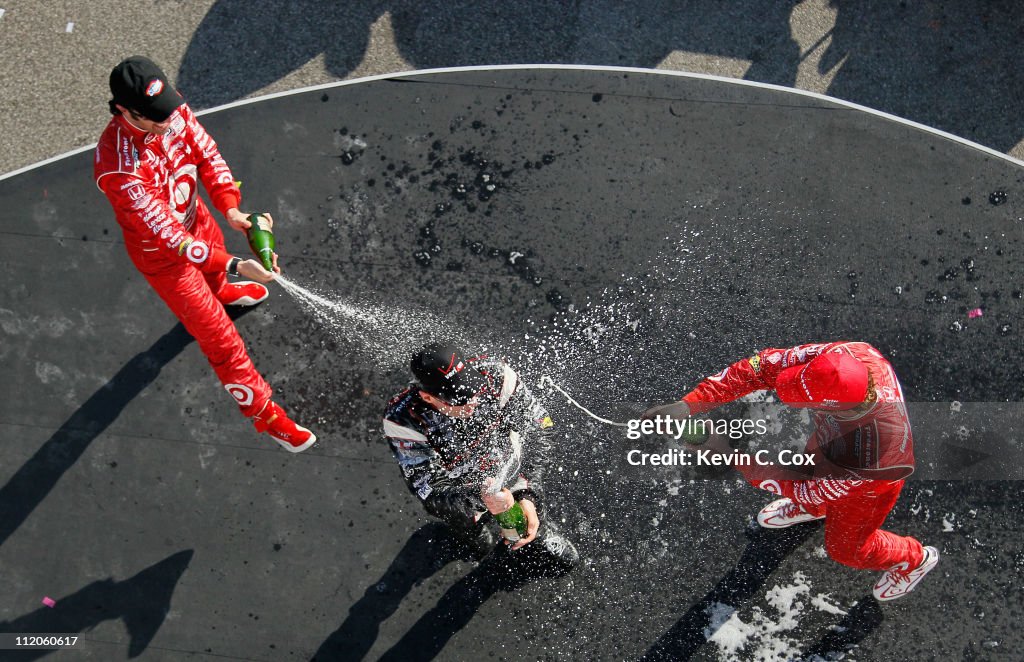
pixel 189 293
pixel 853 533
pixel 854 513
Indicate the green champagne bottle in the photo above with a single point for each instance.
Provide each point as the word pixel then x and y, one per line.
pixel 696 432
pixel 512 523
pixel 261 240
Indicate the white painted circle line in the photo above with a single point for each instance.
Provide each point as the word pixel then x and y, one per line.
pixel 569 67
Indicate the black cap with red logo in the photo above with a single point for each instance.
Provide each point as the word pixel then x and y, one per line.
pixel 444 371
pixel 137 83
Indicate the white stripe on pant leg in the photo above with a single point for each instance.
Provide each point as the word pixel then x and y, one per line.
pixel 241 393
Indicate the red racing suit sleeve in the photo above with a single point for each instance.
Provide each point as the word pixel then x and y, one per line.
pixel 757 373
pixel 213 169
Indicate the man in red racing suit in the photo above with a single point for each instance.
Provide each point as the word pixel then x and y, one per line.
pixel 861 443
pixel 149 162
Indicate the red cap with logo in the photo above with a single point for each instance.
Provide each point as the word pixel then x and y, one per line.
pixel 831 381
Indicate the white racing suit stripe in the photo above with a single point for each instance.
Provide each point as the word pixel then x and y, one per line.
pixel 396 431
pixel 509 381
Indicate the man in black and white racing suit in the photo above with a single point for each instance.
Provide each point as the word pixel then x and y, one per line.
pixel 465 421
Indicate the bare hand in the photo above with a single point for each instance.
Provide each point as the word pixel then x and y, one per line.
pixel 532 523
pixel 239 220
pixel 496 502
pixel 277 269
pixel 253 270
pixel 677 410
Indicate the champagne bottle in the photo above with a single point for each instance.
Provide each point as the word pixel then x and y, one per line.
pixel 696 431
pixel 512 523
pixel 261 240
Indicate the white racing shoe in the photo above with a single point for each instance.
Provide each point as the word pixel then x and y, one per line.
pixel 900 580
pixel 561 548
pixel 784 512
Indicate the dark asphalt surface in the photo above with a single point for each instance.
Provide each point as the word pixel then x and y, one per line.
pixel 952 65
pixel 643 231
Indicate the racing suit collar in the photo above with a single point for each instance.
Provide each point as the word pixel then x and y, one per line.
pixel 135 131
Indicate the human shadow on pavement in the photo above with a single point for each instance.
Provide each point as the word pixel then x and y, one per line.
pixel 955 66
pixel 501 571
pixel 853 628
pixel 27 488
pixel 142 602
pixel 763 555
pixel 30 484
pixel 272 39
pixel 427 551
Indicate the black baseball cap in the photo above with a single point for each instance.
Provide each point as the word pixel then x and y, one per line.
pixel 139 84
pixel 442 370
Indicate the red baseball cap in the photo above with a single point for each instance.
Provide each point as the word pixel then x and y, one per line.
pixel 831 381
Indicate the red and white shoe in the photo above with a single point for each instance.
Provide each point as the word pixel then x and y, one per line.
pixel 900 579
pixel 784 512
pixel 293 437
pixel 244 293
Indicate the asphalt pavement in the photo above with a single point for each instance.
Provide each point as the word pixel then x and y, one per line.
pixel 950 65
pixel 623 234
